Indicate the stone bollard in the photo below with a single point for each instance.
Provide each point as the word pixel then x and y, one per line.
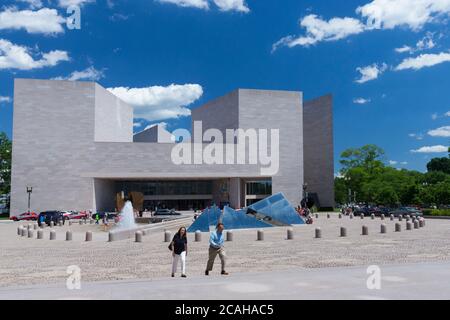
pixel 29 226
pixel 317 216
pixel 382 216
pixel 408 225
pixel 88 236
pixel 35 226
pixel 372 216
pixel 91 221
pixel 52 235
pixel 383 228
pixel 328 216
pixel 343 232
pixel 392 217
pixel 198 236
pixel 290 234
pixel 68 235
pixel 351 215
pixel 400 218
pixel 421 223
pixel 60 224
pixel 80 222
pixel 229 235
pixel 52 224
pixel 23 232
pixel 340 215
pixel 144 232
pixel 398 227
pixel 365 231
pixel 30 233
pixel 260 235
pixel 138 236
pixel 19 230
pixel 416 224
pixel 362 216
pixel 70 223
pixel 318 233
pixel 167 236
pixel 40 234
pixel 110 236
pixel 408 218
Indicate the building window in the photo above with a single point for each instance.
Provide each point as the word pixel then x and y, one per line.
pixel 259 187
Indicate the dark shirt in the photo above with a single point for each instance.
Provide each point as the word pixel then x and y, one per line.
pixel 179 244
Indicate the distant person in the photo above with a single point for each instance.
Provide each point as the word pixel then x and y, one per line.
pixel 216 247
pixel 97 218
pixel 179 251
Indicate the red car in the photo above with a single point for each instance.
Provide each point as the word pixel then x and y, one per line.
pixel 78 215
pixel 27 216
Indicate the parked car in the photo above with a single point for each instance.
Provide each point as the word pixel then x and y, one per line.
pixel 166 212
pixel 77 215
pixel 27 216
pixel 406 211
pixel 48 216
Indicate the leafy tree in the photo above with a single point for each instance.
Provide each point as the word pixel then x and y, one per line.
pixel 439 165
pixel 5 163
pixel 368 157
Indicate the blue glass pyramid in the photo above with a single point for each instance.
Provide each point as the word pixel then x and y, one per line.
pixel 278 208
pixel 238 219
pixel 209 217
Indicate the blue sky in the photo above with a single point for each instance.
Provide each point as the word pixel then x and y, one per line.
pixel 386 62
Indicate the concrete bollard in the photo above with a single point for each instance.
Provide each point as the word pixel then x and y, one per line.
pixel 408 225
pixel 398 227
pixel 167 236
pixel 328 216
pixel 198 236
pixel 19 230
pixel 35 226
pixel 80 222
pixel 318 233
pixel 229 235
pixel 60 224
pixel 23 232
pixel 29 226
pixel 392 217
pixel 383 228
pixel 343 232
pixel 91 221
pixel 68 235
pixel 40 234
pixel 88 236
pixel 421 223
pixel 351 216
pixel 52 224
pixel 362 216
pixel 317 216
pixel 260 235
pixel 400 218
pixel 290 234
pixel 110 236
pixel 340 215
pixel 144 232
pixel 365 231
pixel 408 218
pixel 423 220
pixel 138 236
pixel 382 216
pixel 372 216
pixel 416 224
pixel 52 235
pixel 70 223
pixel 30 233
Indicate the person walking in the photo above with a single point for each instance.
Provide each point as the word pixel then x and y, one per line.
pixel 179 251
pixel 216 247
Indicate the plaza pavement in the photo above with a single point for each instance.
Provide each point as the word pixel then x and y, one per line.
pixel 406 281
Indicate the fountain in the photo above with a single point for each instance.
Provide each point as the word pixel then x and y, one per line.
pixel 127 217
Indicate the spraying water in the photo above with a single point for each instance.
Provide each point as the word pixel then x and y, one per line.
pixel 127 216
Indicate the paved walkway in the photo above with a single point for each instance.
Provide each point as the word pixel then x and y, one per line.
pixel 405 281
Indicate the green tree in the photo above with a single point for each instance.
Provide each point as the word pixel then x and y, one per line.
pixel 439 164
pixel 5 163
pixel 368 157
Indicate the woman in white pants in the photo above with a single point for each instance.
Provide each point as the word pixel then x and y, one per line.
pixel 179 251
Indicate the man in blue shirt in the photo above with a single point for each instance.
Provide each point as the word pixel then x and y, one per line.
pixel 216 242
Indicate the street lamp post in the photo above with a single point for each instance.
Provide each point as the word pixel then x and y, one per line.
pixel 29 191
pixel 305 193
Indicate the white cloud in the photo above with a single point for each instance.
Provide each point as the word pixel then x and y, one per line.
pixel 318 30
pixel 371 72
pixel 68 3
pixel 90 74
pixel 431 149
pixel 14 56
pixel 392 162
pixel 45 20
pixel 157 102
pixel 33 4
pixel 161 124
pixel 200 4
pixel 440 132
pixel 361 101
pixel 232 5
pixel 447 114
pixel 426 43
pixel 4 99
pixel 418 136
pixel 137 124
pixel 424 60
pixel 403 163
pixel 434 116
pixel 414 14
